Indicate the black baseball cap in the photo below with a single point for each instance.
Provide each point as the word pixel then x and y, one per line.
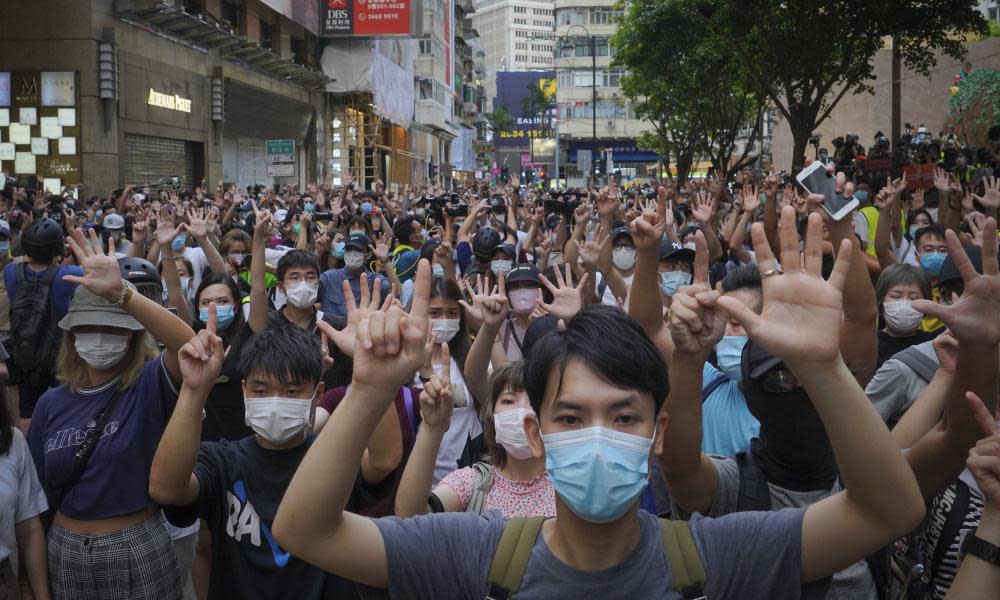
pixel 620 232
pixel 358 241
pixel 756 361
pixel 670 249
pixel 523 273
pixel 949 271
pixel 507 249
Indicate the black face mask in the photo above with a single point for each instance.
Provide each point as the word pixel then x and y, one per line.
pixel 793 449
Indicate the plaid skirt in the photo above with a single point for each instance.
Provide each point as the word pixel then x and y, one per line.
pixel 136 562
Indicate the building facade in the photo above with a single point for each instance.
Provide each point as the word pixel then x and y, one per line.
pixel 516 35
pixel 605 127
pixel 166 93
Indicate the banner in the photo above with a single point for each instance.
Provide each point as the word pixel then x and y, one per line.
pixel 365 17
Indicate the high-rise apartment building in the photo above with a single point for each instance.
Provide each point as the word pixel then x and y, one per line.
pixel 516 36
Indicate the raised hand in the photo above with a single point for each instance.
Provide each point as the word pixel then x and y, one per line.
pixel 607 203
pixel 946 348
pixel 984 457
pixel 201 358
pixel 697 323
pixel 263 223
pixel 897 186
pixel 356 312
pixel 197 224
pixel 491 307
pixel 704 207
pixel 918 199
pixel 436 401
pixel 590 250
pixel 771 185
pixel 751 198
pixel 101 274
pixel 941 180
pixel 973 318
pixel 391 345
pixel 802 313
pixel 140 229
pixel 567 300
pixel 581 215
pixel 381 248
pixel 991 196
pixel 647 230
pixel 166 230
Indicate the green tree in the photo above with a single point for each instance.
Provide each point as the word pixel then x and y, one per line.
pixel 499 121
pixel 676 135
pixel 675 63
pixel 805 56
pixel 976 107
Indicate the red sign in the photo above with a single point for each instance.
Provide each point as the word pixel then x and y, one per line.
pixel 525 159
pixel 365 17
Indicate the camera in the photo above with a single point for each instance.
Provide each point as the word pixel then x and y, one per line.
pixel 461 209
pixel 565 204
pixel 322 216
pixel 497 204
pixel 815 138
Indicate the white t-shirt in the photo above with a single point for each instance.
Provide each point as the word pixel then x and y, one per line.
pixel 21 494
pixel 465 425
pixel 609 296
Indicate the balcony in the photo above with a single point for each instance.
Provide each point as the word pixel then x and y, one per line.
pixel 199 32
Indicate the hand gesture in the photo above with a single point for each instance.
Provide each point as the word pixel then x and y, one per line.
pixel 884 199
pixel 197 224
pixel 697 323
pixel 590 250
pixel 381 248
pixel 140 229
pixel 897 186
pixel 566 299
pixel 704 207
pixel 488 307
pixel 977 225
pixel 263 223
pixel 582 214
pixel 100 270
pixel 984 457
pixel 751 198
pixel 941 181
pixel 991 196
pixel 918 199
pixel 607 204
pixel 537 216
pixel 972 319
pixel 802 313
pixel 436 403
pixel 391 345
pixel 166 230
pixel 201 358
pixel 946 348
pixel 647 230
pixel 771 185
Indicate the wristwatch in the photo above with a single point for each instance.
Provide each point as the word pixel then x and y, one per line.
pixel 982 549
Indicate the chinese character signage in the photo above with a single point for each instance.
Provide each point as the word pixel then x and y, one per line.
pixel 365 17
pixel 39 126
pixel 514 91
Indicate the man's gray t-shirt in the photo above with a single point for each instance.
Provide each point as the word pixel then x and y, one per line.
pixel 747 556
pixel 853 583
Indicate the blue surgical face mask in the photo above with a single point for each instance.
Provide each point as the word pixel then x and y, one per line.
pixel 98 214
pixel 932 262
pixel 861 196
pixel 338 250
pixel 4 248
pixel 671 281
pixel 729 351
pixel 437 271
pixel 179 243
pixel 223 313
pixel 366 208
pixel 598 472
pixel 308 207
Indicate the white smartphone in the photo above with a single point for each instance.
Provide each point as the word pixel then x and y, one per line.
pixel 815 179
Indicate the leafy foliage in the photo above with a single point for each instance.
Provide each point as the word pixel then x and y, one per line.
pixel 976 106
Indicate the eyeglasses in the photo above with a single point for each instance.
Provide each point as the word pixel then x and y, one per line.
pixel 779 381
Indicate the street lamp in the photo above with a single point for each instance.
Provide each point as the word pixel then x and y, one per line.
pixel 564 43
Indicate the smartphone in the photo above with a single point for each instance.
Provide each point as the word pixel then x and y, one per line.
pixel 815 179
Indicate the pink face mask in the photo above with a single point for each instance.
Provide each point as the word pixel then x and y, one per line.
pixel 522 301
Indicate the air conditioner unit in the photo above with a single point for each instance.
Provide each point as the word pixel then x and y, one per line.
pixel 611 124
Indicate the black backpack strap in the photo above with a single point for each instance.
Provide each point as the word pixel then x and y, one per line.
pixel 952 526
pixel 721 380
pixel 922 365
pixel 754 493
pixel 85 451
pixel 601 287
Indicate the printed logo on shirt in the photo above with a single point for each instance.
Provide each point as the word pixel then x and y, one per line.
pixel 65 438
pixel 244 520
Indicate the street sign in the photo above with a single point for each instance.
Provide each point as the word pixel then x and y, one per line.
pixel 525 160
pixel 280 155
pixel 611 162
pixel 583 161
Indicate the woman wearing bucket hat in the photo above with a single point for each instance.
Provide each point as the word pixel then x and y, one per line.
pixel 94 437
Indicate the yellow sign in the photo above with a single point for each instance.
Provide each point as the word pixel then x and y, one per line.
pixel 168 101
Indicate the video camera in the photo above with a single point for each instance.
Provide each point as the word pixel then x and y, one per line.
pixel 564 203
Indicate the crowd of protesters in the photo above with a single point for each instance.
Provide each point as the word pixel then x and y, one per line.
pixel 707 388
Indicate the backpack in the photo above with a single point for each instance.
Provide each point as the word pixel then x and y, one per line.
pixel 34 327
pixel 921 364
pixel 481 489
pixel 518 538
pixel 755 495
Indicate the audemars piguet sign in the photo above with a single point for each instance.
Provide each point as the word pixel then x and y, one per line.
pixel 168 101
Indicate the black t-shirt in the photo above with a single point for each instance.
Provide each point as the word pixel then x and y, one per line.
pixel 225 414
pixel 889 345
pixel 241 487
pixel 340 373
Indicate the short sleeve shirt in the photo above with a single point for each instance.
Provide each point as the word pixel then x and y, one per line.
pixel 532 498
pixel 464 544
pixel 21 494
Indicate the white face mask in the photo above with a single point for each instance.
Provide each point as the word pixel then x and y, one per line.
pixel 101 350
pixel 301 294
pixel 510 432
pixel 623 257
pixel 277 419
pixel 443 330
pixel 500 266
pixel 901 317
pixel 354 260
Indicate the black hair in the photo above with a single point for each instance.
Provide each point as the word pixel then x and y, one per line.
pixel 288 354
pixel 586 338
pixel 230 333
pixel 403 229
pixel 297 258
pixel 744 277
pixel 6 424
pixel 508 377
pixel 460 344
pixel 916 212
pixel 935 229
pixel 364 222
